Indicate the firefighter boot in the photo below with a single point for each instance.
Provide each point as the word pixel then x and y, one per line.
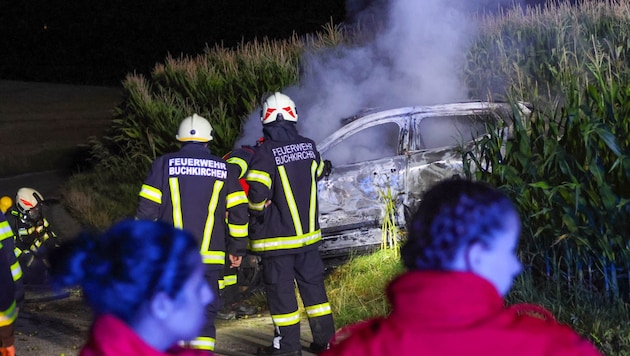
pixel 270 350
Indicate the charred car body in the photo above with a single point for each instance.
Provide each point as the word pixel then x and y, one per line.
pixel 401 152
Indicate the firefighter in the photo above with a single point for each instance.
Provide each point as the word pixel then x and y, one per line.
pixel 8 304
pixel 230 285
pixel 34 235
pixel 284 228
pixel 7 239
pixel 192 190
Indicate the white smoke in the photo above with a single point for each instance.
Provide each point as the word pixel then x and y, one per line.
pixel 416 59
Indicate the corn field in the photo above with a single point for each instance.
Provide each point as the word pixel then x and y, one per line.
pixel 568 166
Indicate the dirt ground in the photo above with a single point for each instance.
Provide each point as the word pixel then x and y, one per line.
pixel 47 326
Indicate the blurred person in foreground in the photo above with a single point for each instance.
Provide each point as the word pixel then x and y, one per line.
pixel 144 281
pixel 461 256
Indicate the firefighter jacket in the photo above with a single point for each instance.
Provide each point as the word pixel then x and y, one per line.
pixel 31 235
pixel 239 160
pixel 110 336
pixel 457 313
pixel 192 190
pixel 7 239
pixel 284 170
pixel 8 307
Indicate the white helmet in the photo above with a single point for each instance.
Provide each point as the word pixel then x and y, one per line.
pixel 27 201
pixel 278 104
pixel 194 128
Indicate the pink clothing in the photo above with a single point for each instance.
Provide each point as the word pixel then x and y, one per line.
pixel 455 313
pixel 112 337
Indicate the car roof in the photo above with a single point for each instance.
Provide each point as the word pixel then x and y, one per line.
pixel 373 117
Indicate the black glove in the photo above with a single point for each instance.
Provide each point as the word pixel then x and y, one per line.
pixel 327 168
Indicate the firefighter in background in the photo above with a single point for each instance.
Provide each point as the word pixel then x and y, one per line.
pixel 192 190
pixel 5 204
pixel 7 239
pixel 230 285
pixel 8 305
pixel 284 228
pixel 34 236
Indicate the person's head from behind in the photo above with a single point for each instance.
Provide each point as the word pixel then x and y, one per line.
pixel 194 128
pixel 147 274
pixel 469 226
pixel 278 108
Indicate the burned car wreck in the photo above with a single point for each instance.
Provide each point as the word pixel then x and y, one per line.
pixel 401 152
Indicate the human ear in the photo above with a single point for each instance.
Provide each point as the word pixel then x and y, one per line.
pixel 474 257
pixel 161 305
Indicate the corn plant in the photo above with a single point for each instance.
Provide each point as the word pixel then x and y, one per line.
pixel 390 233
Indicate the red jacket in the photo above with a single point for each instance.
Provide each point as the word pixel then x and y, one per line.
pixel 112 337
pixel 454 313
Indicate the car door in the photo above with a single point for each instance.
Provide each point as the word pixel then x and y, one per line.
pixel 369 162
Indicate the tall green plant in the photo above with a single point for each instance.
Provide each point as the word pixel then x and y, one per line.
pixel 569 176
pixel 566 166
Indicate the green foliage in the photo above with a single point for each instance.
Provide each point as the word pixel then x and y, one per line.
pixel 222 85
pixel 539 51
pixel 567 167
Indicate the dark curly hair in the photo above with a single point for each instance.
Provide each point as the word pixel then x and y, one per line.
pixel 453 214
pixel 123 268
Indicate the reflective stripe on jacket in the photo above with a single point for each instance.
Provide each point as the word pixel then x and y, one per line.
pixel 8 309
pixel 8 239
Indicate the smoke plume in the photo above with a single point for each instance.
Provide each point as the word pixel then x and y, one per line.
pixel 412 54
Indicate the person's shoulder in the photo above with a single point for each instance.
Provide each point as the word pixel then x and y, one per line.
pixel 543 327
pixel 304 138
pixel 312 142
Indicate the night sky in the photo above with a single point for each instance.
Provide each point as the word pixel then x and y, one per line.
pixel 98 42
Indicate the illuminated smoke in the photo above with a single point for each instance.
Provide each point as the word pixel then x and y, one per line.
pixel 415 59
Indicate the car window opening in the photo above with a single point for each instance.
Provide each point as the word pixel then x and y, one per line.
pixel 441 131
pixel 376 142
